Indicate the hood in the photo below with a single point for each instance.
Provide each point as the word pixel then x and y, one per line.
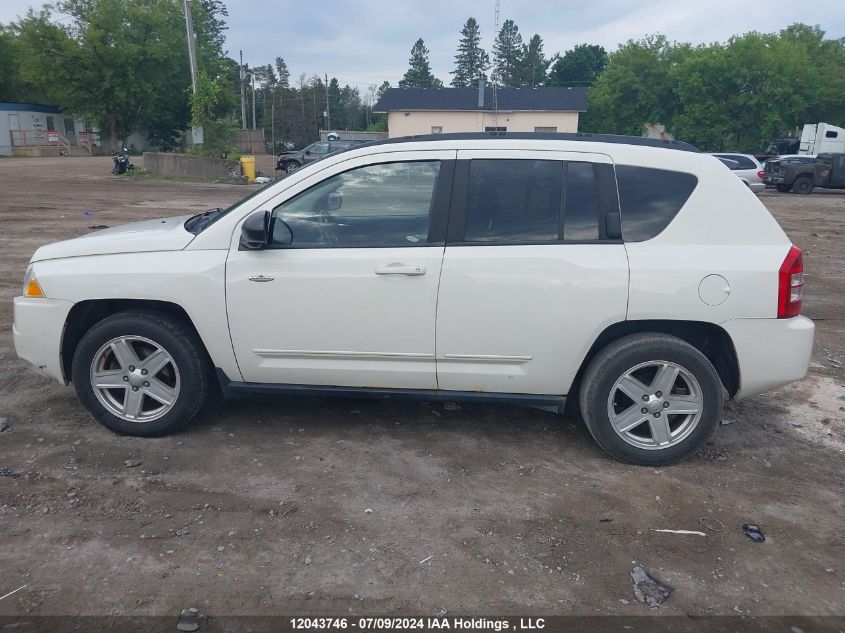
pixel 167 234
pixel 290 152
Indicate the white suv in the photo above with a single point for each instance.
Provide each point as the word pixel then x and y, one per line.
pixel 637 277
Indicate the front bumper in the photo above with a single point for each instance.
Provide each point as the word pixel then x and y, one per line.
pixel 771 352
pixel 37 332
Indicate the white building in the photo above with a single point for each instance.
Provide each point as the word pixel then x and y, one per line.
pixel 36 129
pixel 412 111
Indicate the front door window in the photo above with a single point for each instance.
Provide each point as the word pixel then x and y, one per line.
pixel 378 205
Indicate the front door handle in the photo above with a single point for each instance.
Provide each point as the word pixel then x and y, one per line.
pixel 400 269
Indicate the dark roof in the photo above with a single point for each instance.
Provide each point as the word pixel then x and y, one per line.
pixel 616 139
pixel 28 107
pixel 568 99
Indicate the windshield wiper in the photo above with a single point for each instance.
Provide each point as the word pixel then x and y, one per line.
pixel 196 223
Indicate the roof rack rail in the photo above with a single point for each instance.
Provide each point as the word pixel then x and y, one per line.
pixel 541 136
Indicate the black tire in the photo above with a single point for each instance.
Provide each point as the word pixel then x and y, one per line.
pixel 783 188
pixel 173 336
pixel 291 167
pixel 803 185
pixel 614 361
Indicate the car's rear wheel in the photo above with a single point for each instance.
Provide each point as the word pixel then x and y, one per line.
pixel 651 399
pixel 141 374
pixel 291 167
pixel 803 185
pixel 783 188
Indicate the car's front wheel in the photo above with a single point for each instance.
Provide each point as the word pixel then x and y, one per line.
pixel 142 374
pixel 291 167
pixel 651 399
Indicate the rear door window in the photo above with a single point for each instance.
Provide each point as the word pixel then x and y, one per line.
pixel 581 209
pixel 513 201
pixel 649 199
pixel 519 201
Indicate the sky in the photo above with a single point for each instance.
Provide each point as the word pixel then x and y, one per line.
pixel 364 42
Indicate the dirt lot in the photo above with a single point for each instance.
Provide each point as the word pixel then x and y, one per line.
pixel 331 506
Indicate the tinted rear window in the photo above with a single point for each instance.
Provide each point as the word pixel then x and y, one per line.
pixel 580 220
pixel 649 199
pixel 513 201
pixel 744 161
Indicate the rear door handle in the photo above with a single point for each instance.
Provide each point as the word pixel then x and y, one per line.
pixel 400 269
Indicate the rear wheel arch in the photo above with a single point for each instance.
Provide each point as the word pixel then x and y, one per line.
pixel 85 314
pixel 710 339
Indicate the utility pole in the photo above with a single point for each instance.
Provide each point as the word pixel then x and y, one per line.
pixel 196 130
pixel 192 51
pixel 316 118
pixel 253 101
pixel 243 94
pixel 273 119
pixel 328 107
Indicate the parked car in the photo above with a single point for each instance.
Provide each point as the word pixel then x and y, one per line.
pixel 748 169
pixel 292 160
pixel 791 173
pixel 636 278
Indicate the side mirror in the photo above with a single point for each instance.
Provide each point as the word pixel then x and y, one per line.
pixel 613 225
pixel 255 232
pixel 334 201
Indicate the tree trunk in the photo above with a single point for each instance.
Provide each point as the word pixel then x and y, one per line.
pixel 113 133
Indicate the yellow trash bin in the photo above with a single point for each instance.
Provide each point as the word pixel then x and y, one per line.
pixel 248 168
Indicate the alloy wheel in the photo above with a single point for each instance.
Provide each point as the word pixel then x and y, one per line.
pixel 135 378
pixel 655 405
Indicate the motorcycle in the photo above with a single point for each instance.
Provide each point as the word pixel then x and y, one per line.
pixel 121 162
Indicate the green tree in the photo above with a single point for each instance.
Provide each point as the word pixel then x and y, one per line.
pixel 206 104
pixel 123 63
pixel 382 89
pixel 636 87
pixel 755 87
pixel 579 66
pixel 419 74
pixel 471 61
pixel 534 63
pixel 13 87
pixel 284 73
pixel 507 55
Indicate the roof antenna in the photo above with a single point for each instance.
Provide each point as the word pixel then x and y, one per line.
pixel 496 81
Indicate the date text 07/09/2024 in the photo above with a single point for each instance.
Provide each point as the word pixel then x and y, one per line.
pixel 416 624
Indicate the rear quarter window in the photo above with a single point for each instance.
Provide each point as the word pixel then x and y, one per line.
pixel 649 199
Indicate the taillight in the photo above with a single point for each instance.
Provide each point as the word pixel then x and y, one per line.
pixel 761 174
pixel 791 284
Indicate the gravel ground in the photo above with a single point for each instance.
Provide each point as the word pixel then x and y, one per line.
pixel 362 507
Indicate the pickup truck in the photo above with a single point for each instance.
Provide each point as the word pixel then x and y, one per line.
pixel 830 171
pixel 791 174
pixel 290 161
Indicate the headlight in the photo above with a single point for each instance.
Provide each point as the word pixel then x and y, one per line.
pixel 31 288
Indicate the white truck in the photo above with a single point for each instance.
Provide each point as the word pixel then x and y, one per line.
pixel 822 138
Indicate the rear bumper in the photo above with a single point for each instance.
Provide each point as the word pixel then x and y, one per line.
pixel 37 332
pixel 756 187
pixel 771 352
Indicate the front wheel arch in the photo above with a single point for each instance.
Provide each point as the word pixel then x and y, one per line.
pixel 85 314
